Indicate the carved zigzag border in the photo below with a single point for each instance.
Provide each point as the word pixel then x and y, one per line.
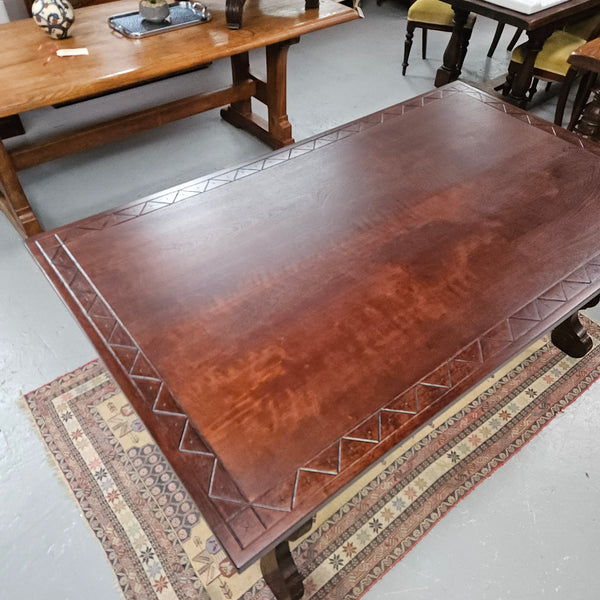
pixel 245 519
pixel 204 184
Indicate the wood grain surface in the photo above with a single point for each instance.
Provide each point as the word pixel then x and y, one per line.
pixel 280 333
pixel 32 75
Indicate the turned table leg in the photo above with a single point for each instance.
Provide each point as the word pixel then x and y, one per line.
pixel 522 80
pixel 280 571
pixel 589 124
pixel 571 336
pixel 454 53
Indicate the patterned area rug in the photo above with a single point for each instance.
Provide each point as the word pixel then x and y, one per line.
pixel 160 546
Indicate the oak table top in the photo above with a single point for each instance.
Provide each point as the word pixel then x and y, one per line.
pixel 33 76
pixel 282 325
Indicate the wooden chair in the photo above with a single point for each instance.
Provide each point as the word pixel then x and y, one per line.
pixel 551 62
pixel 439 16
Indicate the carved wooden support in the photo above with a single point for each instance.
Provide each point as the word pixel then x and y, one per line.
pixel 521 83
pixel 455 50
pixel 571 336
pixel 589 125
pixel 234 11
pixel 280 571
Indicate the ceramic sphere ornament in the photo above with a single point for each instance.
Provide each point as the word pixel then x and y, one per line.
pixel 55 16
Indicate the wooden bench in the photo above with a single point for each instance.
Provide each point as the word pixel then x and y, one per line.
pixel 279 332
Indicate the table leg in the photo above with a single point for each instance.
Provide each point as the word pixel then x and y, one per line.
pixel 13 201
pixel 571 336
pixel 589 124
pixel 279 569
pixel 277 131
pixel 455 50
pixel 11 126
pixel 522 80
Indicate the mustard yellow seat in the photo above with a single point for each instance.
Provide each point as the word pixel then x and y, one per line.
pixel 430 14
pixel 439 16
pixel 550 65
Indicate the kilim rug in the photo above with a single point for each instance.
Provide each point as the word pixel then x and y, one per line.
pixel 160 546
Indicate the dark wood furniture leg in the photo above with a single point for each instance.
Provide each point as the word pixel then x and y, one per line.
pixel 279 569
pixel 277 132
pixel 588 81
pixel 517 88
pixel 455 51
pixel 234 11
pixel 13 201
pixel 589 124
pixel 571 336
pixel 11 126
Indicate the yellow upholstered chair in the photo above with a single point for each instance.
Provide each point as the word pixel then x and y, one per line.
pixel 551 62
pixel 429 14
pixel 550 65
pixel 439 16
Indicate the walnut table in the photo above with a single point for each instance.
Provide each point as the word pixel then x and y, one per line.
pixel 280 326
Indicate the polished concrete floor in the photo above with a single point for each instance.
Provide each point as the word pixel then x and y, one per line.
pixel 531 531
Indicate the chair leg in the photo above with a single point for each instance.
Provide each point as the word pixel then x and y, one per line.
pixel 410 32
pixel 564 94
pixel 497 35
pixel 463 53
pixel 533 89
pixel 514 40
pixel 424 44
pixel 583 93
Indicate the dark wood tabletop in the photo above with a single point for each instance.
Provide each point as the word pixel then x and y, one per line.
pixel 282 325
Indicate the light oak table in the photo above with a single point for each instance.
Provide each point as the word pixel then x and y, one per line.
pixel 279 332
pixel 33 76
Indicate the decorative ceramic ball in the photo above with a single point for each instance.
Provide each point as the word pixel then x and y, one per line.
pixel 55 16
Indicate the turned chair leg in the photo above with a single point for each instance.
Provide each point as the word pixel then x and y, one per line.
pixel 410 32
pixel 533 89
pixel 463 52
pixel 514 40
pixel 563 96
pixel 497 35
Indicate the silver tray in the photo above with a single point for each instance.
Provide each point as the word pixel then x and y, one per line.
pixel 182 14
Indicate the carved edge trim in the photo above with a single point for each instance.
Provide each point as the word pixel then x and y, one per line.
pixel 208 182
pixel 247 521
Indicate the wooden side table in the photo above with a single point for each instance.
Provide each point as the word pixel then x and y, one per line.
pixel 587 59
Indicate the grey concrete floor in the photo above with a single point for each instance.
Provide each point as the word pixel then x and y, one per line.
pixel 529 532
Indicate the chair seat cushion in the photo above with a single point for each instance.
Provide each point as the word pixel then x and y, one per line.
pixel 553 56
pixel 435 12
